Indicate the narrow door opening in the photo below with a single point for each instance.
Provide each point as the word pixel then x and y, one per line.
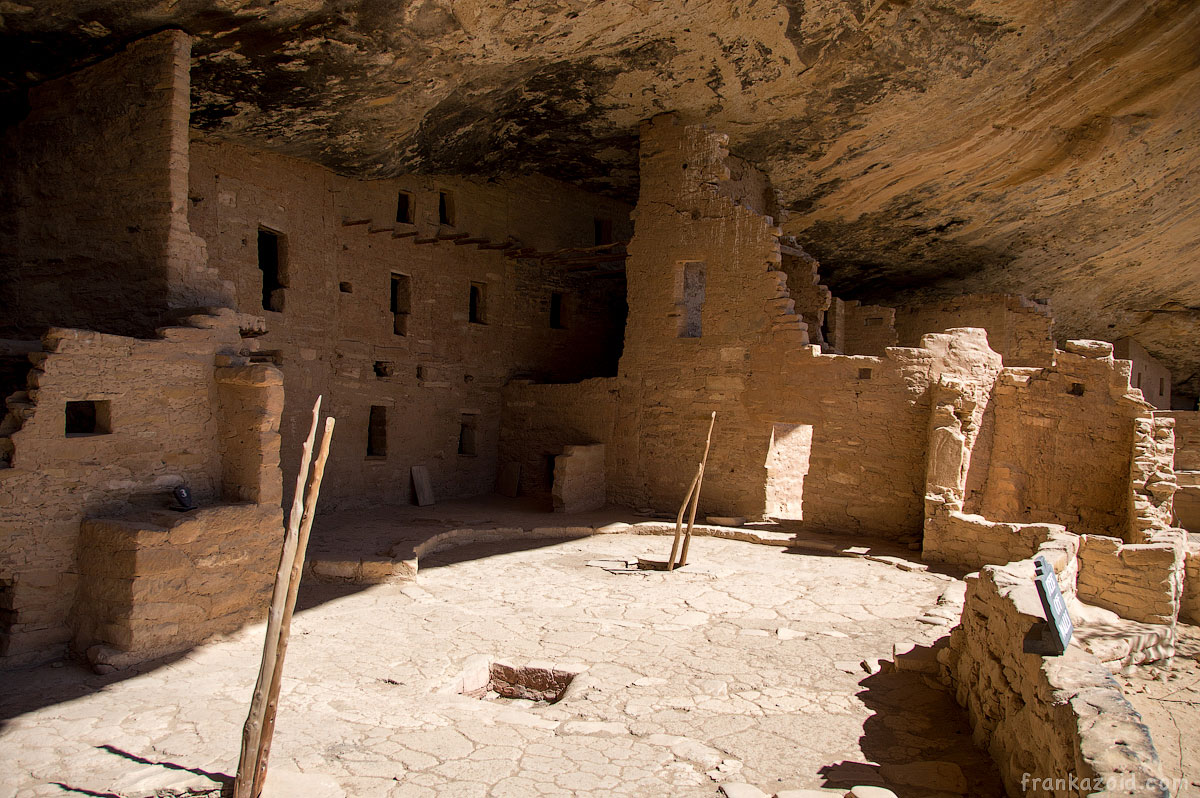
pixel 446 208
pixel 477 307
pixel 556 310
pixel 401 303
pixel 787 466
pixel 691 299
pixel 603 231
pixel 404 208
pixel 270 263
pixel 468 435
pixel 377 432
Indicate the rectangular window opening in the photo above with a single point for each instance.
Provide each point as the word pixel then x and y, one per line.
pixel 556 311
pixel 1162 386
pixel 446 208
pixel 691 300
pixel 874 321
pixel 1076 389
pixel 271 252
pixel 603 230
pixel 468 435
pixel 404 207
pixel 377 432
pixel 864 374
pixel 346 288
pixel 477 304
pixel 401 303
pixel 88 418
pixel 384 369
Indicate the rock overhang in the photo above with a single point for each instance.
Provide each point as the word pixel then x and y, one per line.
pixel 923 148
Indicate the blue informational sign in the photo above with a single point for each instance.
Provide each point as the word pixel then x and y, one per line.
pixel 1057 618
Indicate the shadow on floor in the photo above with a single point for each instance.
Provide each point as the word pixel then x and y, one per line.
pixel 479 551
pixel 921 740
pixel 223 782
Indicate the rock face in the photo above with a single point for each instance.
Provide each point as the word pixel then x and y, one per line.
pixel 923 147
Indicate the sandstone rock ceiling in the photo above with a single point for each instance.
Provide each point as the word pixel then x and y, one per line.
pixel 926 146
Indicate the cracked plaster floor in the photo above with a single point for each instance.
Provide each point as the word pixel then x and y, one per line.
pixel 744 666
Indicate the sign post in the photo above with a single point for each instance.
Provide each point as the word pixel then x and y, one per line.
pixel 1057 631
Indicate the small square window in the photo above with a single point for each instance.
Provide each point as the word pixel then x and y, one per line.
pixel 1076 389
pixel 384 369
pixel 346 288
pixel 864 374
pixel 88 418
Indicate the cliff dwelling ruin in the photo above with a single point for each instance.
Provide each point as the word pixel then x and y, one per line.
pixel 934 269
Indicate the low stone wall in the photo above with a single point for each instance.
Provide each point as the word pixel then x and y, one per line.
pixel 1189 605
pixel 1043 718
pixel 1142 582
pixel 165 582
pixel 972 541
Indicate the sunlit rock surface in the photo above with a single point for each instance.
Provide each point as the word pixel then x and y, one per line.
pixel 1042 148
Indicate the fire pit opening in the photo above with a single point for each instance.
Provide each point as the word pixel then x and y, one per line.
pixel 488 679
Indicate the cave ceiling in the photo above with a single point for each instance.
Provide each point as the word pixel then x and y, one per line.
pixel 921 147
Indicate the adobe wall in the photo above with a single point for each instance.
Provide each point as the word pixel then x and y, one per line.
pixel 1149 376
pixel 93 226
pixel 1020 330
pixel 1041 420
pixel 161 583
pixel 1186 502
pixel 1043 717
pixel 342 247
pixel 868 329
pixel 1141 582
pixel 165 422
pixel 854 427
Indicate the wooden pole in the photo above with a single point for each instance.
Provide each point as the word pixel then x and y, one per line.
pixel 687 539
pixel 285 631
pixel 252 731
pixel 679 520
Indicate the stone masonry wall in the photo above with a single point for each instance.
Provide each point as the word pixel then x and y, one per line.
pixel 162 583
pixel 1043 717
pixel 741 350
pixel 1020 330
pixel 1141 582
pixel 869 329
pixel 159 425
pixel 1146 374
pixel 1041 419
pixel 93 226
pixel 1186 501
pixel 1189 606
pixel 972 541
pixel 336 334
